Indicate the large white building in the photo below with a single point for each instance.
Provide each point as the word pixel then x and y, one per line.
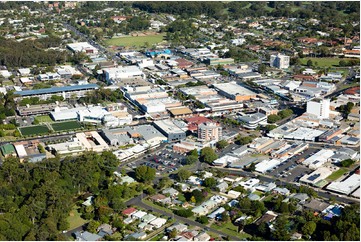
pixel 122 72
pixel 280 61
pixel 319 107
pixel 84 47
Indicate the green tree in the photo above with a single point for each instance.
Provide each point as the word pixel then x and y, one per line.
pixel 191 159
pixel 210 182
pixel 285 113
pixel 144 173
pixel 243 140
pixel 202 219
pixel 183 175
pixel 280 231
pixel 172 234
pixel 208 155
pixel 309 228
pixel 309 63
pixel 222 144
pixel 262 68
pixel 92 226
pixel 273 118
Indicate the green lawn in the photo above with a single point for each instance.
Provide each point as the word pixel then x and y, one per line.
pixel 336 174
pixel 44 119
pixel 230 229
pixel 75 220
pixel 70 125
pixel 324 62
pixel 157 206
pixel 157 237
pixel 34 130
pixel 137 41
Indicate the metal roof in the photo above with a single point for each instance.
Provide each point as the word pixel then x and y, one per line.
pixel 57 89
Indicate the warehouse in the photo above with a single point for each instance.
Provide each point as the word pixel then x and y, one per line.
pixel 318 159
pixel 346 186
pixel 316 176
pixel 170 130
pixel 235 91
pixel 267 165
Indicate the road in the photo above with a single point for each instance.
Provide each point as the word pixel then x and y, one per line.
pixel 137 201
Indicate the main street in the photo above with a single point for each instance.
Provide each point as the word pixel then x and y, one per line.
pixel 137 201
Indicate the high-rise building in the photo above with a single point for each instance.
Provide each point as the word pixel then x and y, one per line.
pixel 319 107
pixel 209 131
pixel 280 61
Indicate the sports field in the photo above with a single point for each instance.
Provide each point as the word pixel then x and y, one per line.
pixel 34 130
pixel 137 41
pixel 65 126
pixel 324 62
pixel 44 119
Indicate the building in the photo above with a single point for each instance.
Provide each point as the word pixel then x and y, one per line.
pixel 346 186
pixel 8 150
pixel 316 176
pixel 118 74
pixel 170 130
pixel 280 61
pixel 209 131
pixel 319 107
pixel 234 91
pixel 251 121
pixel 83 47
pixel 76 91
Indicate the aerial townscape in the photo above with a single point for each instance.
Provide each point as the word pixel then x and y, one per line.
pixel 180 120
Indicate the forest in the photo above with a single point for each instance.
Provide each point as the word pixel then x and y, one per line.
pixel 36 198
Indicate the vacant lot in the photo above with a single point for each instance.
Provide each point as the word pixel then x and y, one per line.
pixel 137 41
pixel 34 130
pixel 70 125
pixel 75 220
pixel 324 62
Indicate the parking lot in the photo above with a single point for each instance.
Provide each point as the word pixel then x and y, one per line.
pixel 164 161
pixel 290 170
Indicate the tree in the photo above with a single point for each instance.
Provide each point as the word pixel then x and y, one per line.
pixel 285 113
pixel 262 68
pixel 183 175
pixel 273 118
pixel 222 144
pixel 208 155
pixel 184 212
pixel 243 140
pixel 172 234
pixel 252 167
pixel 144 173
pixel 92 226
pixel 280 231
pixel 347 162
pixel 309 228
pixel 309 63
pixel 210 182
pixel 41 148
pixel 342 63
pixel 165 182
pixel 202 219
pixel 191 159
pixel 270 127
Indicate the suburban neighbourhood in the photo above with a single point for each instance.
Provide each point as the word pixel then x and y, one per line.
pixel 180 121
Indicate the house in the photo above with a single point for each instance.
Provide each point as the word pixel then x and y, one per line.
pixel 105 229
pixel 316 205
pixel 254 197
pixel 222 186
pixel 200 210
pixel 301 197
pixel 86 236
pixel 129 211
pixel 282 191
pixel 268 217
pixel 296 236
pixel 137 236
pixel 160 198
pixel 233 194
pixel 202 237
pixel 216 213
pixel 8 150
pixel 88 202
pixel 171 191
pixel 129 220
pixel 148 218
pixel 158 222
pixel 178 226
pixel 139 215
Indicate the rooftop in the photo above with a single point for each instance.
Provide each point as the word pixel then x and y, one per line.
pixel 57 89
pixel 234 89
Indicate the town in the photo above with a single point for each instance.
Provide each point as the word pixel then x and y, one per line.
pixel 180 121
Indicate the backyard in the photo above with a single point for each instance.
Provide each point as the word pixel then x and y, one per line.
pixel 75 220
pixel 137 41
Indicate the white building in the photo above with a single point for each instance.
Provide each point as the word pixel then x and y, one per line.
pixel 319 107
pixel 84 47
pixel 346 186
pixel 123 72
pixel 280 61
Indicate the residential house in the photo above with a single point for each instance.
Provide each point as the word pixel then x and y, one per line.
pixel 171 191
pixel 105 229
pixel 138 236
pixel 148 218
pixel 158 222
pixel 268 217
pixel 222 186
pixel 86 236
pixel 202 237
pixel 178 227
pixel 282 191
pixel 129 211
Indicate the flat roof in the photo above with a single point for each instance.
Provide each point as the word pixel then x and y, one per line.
pixel 168 126
pixel 346 186
pixel 234 89
pixel 57 89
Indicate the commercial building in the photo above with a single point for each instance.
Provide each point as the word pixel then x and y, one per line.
pixel 83 47
pixel 234 91
pixel 318 159
pixel 66 92
pixel 319 107
pixel 267 165
pixel 346 186
pixel 251 121
pixel 280 61
pixel 118 74
pixel 316 176
pixel 170 130
pixel 225 160
pixel 209 131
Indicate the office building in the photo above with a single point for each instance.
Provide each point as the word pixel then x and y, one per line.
pixel 319 107
pixel 280 61
pixel 209 131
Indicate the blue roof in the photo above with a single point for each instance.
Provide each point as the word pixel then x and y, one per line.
pixel 57 89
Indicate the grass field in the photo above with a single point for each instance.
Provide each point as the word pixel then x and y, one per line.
pixel 34 130
pixel 324 62
pixel 44 119
pixel 137 41
pixel 65 126
pixel 230 229
pixel 336 174
pixel 75 220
